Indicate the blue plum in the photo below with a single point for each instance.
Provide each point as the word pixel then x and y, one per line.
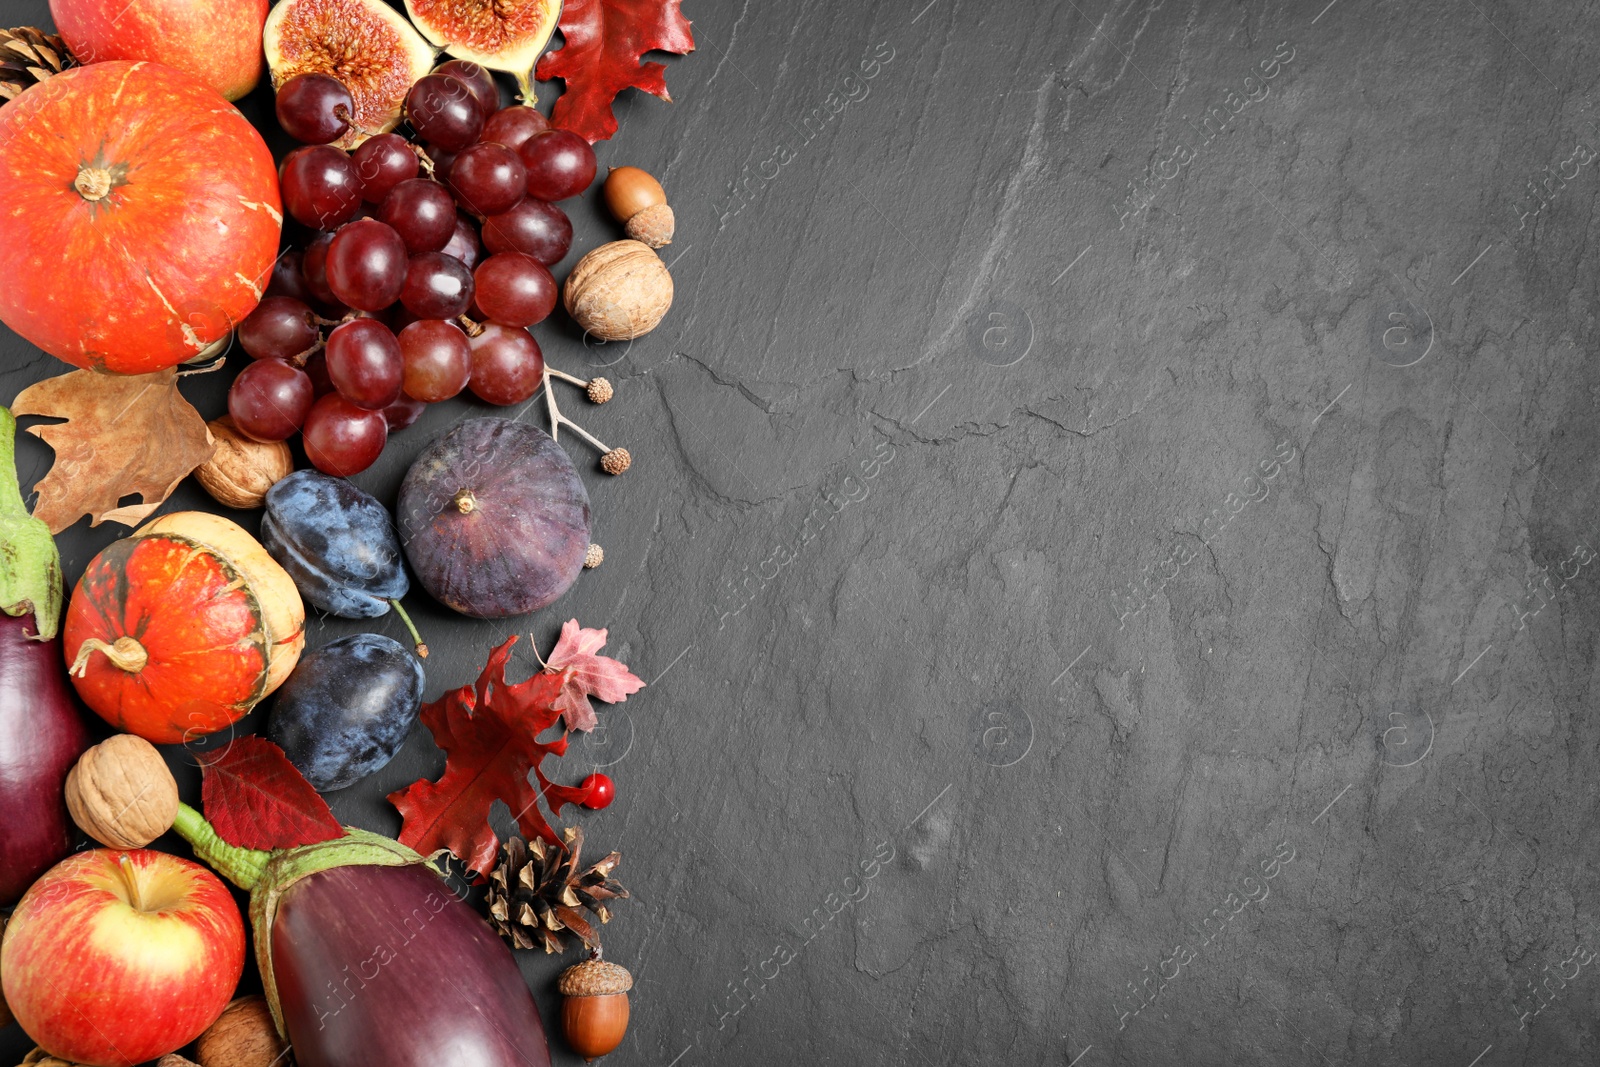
pixel 337 542
pixel 346 709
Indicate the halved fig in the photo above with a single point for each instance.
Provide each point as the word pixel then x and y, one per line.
pixel 366 44
pixel 505 35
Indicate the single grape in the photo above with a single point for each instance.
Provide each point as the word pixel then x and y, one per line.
pixel 507 366
pixel 476 78
pixel 367 265
pixel 559 164
pixel 269 399
pixel 421 212
pixel 512 126
pixel 342 439
pixel 364 363
pixel 443 159
pixel 514 289
pixel 383 162
pixel 444 110
pixel 317 370
pixel 400 317
pixel 437 286
pixel 314 108
pixel 279 328
pixel 287 279
pixel 314 269
pixel 320 187
pixel 488 179
pixel 438 360
pixel 403 413
pixel 533 228
pixel 464 244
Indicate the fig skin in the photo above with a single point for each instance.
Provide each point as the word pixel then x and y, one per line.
pixel 494 519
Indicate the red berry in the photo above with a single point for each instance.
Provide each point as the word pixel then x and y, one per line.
pixel 598 791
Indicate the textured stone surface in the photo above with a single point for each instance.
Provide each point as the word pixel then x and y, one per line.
pixel 1050 513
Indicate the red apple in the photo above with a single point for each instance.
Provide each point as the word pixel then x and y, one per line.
pixel 113 958
pixel 219 43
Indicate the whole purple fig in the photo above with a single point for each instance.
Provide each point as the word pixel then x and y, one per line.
pixel 494 518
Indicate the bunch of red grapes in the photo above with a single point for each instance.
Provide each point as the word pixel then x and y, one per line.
pixel 418 311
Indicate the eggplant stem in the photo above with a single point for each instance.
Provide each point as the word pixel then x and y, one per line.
pixel 241 866
pixel 422 649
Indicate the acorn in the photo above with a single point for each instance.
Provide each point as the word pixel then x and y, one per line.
pixel 640 204
pixel 594 1006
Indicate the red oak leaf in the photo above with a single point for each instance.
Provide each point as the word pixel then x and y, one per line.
pixel 490 735
pixel 603 43
pixel 586 675
pixel 255 798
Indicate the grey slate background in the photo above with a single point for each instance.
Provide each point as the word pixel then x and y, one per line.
pixel 991 674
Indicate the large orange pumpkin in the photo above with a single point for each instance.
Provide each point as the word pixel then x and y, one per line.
pixel 139 216
pixel 180 629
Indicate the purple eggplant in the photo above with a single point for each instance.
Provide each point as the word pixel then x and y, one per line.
pixel 42 732
pixel 369 960
pixel 385 966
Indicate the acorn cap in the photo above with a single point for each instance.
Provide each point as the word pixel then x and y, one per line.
pixel 594 978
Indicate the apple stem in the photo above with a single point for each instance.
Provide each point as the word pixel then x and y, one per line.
pixel 130 878
pixel 241 866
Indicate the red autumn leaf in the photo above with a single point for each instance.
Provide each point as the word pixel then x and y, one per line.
pixel 255 798
pixel 490 735
pixel 603 43
pixel 586 675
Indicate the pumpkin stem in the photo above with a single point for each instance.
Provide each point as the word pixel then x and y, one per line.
pixel 125 653
pixel 241 866
pixel 30 565
pixel 92 183
pixel 465 502
pixel 422 649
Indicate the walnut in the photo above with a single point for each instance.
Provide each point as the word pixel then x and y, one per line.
pixel 121 794
pixel 241 470
pixel 619 291
pixel 244 1035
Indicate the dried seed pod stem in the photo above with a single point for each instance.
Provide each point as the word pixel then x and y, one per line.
pixel 613 460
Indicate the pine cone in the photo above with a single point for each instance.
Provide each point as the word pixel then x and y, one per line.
pixel 27 57
pixel 536 891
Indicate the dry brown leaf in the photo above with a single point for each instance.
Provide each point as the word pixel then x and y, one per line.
pixel 124 434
